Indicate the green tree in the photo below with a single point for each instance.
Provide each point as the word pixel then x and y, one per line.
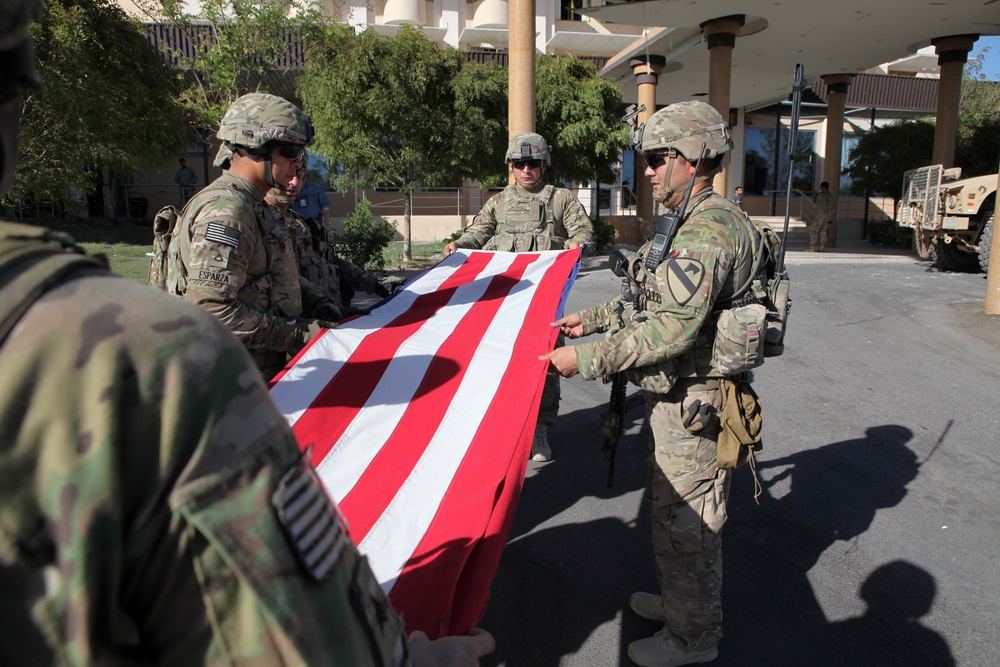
pixel 882 155
pixel 108 101
pixel 385 111
pixel 978 121
pixel 230 48
pixel 579 114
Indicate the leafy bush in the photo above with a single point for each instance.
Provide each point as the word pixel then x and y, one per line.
pixel 364 238
pixel 885 233
pixel 604 236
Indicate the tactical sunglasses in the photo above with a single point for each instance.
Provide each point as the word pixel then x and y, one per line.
pixel 530 164
pixel 655 160
pixel 291 151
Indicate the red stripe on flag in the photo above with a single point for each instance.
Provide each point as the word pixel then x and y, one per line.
pixel 445 584
pixel 332 411
pixel 399 455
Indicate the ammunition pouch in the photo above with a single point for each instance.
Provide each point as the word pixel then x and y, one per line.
pixel 739 339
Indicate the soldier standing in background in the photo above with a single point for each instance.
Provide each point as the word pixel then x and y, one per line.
pixel 147 482
pixel 663 341
pixel 529 216
pixel 822 216
pixel 231 253
pixel 185 178
pixel 318 263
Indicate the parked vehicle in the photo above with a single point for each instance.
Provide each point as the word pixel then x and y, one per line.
pixel 951 217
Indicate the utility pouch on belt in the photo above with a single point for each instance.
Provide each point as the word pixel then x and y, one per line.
pixel 740 427
pixel 739 339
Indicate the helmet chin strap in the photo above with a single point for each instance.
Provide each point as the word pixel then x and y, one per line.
pixel 664 193
pixel 268 176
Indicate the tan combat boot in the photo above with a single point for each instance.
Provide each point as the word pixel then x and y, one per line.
pixel 540 450
pixel 665 650
pixel 648 606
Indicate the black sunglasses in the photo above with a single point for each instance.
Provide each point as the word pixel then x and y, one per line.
pixel 655 160
pixel 531 164
pixel 291 151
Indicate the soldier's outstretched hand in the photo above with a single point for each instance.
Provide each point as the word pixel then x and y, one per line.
pixel 450 651
pixel 571 325
pixel 563 361
pixel 450 248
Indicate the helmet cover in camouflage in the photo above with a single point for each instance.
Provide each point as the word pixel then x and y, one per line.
pixel 684 127
pixel 528 146
pixel 257 118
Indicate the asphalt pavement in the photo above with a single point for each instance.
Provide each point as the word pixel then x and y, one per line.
pixel 876 537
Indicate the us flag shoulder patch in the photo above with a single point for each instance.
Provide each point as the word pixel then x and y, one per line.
pixel 219 233
pixel 312 523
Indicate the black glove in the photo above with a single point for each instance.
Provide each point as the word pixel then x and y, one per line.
pixel 327 310
pixel 393 283
pixel 697 415
pixel 313 328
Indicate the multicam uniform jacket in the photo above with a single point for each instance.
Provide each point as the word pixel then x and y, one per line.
pixel 671 334
pixel 144 477
pixel 231 255
pixel 523 221
pixel 320 265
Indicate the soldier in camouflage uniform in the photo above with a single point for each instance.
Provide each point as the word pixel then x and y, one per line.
pixel 231 253
pixel 527 216
pixel 665 347
pixel 823 210
pixel 147 483
pixel 318 263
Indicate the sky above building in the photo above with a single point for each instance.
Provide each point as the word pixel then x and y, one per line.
pixel 992 64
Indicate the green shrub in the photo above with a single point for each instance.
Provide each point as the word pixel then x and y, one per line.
pixel 885 233
pixel 364 238
pixel 604 236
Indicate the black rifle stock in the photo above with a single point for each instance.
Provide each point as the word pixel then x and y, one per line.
pixel 613 422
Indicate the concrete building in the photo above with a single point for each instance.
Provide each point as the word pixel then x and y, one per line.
pixel 866 63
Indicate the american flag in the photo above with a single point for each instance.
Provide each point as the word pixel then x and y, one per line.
pixel 420 417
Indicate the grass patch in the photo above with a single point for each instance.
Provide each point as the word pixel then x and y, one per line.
pixel 126 245
pixel 425 255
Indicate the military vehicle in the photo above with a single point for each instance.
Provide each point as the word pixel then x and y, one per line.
pixel 951 217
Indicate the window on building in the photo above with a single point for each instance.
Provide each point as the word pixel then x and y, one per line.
pixel 759 174
pixel 847 184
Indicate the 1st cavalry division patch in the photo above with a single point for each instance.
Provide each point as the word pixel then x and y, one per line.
pixel 684 277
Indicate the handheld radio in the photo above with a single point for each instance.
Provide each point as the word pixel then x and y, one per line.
pixel 666 227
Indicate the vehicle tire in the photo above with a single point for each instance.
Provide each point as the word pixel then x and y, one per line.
pixel 950 257
pixel 985 241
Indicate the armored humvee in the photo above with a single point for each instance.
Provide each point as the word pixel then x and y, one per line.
pixel 951 217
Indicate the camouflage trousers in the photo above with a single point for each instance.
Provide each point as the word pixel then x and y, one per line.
pixel 687 499
pixel 818 229
pixel 548 410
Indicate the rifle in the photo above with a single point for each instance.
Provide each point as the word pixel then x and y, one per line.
pixel 798 85
pixel 613 419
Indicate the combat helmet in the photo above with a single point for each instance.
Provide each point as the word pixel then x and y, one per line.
pixel 529 146
pixel 257 123
pixel 258 118
pixel 684 127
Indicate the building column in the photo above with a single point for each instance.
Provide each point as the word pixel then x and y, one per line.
pixel 720 36
pixel 647 73
pixel 836 102
pixel 521 82
pixel 952 53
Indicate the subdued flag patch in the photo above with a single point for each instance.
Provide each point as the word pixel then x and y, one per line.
pixel 219 233
pixel 421 416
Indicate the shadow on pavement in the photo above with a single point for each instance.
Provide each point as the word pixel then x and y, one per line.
pixel 558 585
